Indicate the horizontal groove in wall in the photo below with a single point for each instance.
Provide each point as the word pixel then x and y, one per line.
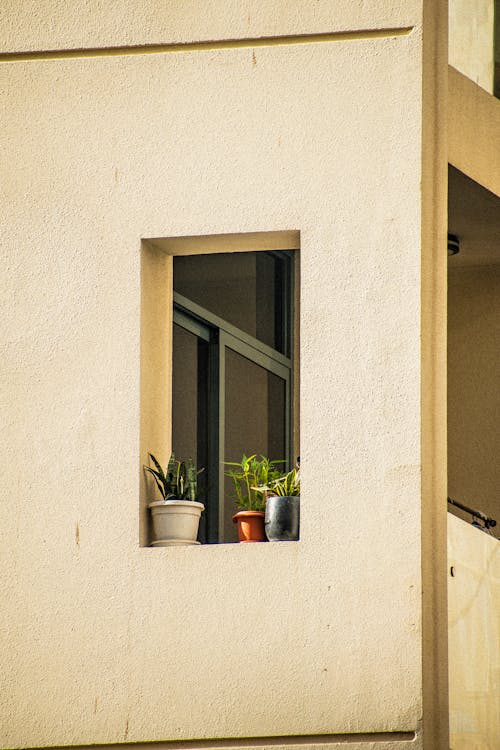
pixel 250 742
pixel 158 49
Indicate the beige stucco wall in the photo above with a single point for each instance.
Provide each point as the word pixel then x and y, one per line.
pixel 474 637
pixel 473 394
pixel 106 641
pixel 56 24
pixel 471 40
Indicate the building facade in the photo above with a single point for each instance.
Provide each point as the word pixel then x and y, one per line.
pixel 135 134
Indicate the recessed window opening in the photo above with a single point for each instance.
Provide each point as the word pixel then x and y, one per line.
pixel 232 372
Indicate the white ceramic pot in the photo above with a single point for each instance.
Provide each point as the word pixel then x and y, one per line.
pixel 175 521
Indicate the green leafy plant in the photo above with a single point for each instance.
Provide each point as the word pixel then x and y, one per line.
pixel 286 486
pixel 248 475
pixel 179 481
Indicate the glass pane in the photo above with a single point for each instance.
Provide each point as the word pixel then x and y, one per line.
pixel 255 420
pixel 190 406
pixel 248 290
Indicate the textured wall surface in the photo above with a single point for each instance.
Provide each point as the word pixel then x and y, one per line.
pixel 472 40
pixel 56 24
pixel 109 642
pixel 474 637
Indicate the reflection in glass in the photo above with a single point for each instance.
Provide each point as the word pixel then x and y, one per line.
pixel 254 422
pixel 248 290
pixel 190 406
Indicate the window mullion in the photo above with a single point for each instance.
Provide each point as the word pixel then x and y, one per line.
pixel 214 445
pixel 221 431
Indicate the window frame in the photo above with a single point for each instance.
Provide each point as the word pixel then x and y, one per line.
pixel 222 335
pixel 157 253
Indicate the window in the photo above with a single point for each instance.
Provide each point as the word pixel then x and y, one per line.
pixel 232 373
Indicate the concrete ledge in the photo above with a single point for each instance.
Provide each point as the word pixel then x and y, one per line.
pixel 473 131
pixel 363 741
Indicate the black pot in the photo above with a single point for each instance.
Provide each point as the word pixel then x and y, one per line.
pixel 282 519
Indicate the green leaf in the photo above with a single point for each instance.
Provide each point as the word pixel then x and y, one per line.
pixel 157 464
pixel 160 484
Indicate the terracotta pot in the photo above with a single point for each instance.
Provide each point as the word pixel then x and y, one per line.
pixel 250 525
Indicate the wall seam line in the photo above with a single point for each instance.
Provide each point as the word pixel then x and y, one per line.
pixel 201 46
pixel 251 742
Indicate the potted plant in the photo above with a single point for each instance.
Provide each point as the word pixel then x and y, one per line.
pixel 282 515
pixel 177 516
pixel 248 475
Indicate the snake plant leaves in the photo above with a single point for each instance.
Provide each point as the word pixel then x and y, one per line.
pixel 159 479
pixel 180 480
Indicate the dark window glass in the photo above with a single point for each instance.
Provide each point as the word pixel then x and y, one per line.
pixel 254 420
pixel 231 389
pixel 248 290
pixel 190 408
